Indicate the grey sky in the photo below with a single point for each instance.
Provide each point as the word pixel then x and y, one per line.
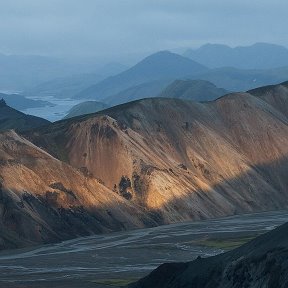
pixel 111 27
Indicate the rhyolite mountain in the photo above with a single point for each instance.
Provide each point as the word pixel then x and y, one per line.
pixel 86 107
pixel 14 119
pixel 158 66
pixel 257 56
pixel 263 262
pixel 145 163
pixel 196 90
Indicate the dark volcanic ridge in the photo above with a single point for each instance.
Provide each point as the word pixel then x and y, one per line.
pixel 14 119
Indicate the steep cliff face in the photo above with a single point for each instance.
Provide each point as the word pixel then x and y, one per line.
pixel 259 263
pixel 44 200
pixel 180 159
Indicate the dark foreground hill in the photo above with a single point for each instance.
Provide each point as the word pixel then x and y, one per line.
pixel 20 102
pixel 260 263
pixel 13 119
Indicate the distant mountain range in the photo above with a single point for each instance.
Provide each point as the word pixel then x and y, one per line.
pixel 69 86
pixel 257 56
pixel 21 72
pixel 151 75
pixel 159 66
pixel 196 90
pixel 13 119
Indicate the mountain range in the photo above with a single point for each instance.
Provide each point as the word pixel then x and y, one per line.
pixel 158 66
pixel 256 56
pixel 144 163
pixel 152 75
pixel 69 86
pixel 197 90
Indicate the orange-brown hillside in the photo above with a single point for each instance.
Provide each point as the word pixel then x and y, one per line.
pixel 181 159
pixel 145 163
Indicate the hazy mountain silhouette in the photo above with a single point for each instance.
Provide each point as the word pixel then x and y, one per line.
pixel 145 90
pixel 234 79
pixel 196 90
pixel 159 66
pixel 86 108
pixel 69 86
pixel 257 56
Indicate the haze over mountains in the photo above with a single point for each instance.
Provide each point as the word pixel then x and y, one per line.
pixel 67 87
pixel 257 56
pixel 145 163
pixel 153 74
pixel 161 65
pixel 197 90
pixel 50 77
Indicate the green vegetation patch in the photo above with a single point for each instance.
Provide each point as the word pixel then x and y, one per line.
pixel 115 282
pixel 226 244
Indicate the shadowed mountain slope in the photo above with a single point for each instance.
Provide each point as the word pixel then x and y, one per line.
pixel 262 262
pixel 13 119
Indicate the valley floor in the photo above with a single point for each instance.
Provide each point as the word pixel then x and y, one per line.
pixel 115 259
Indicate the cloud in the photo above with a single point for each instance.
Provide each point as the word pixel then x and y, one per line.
pixel 114 27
